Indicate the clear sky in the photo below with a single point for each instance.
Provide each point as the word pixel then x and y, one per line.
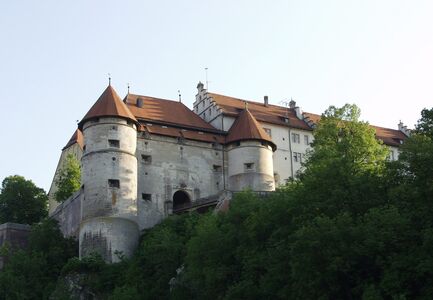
pixel 55 57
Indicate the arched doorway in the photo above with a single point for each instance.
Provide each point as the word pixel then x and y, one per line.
pixel 180 200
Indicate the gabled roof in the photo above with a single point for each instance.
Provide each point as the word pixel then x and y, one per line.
pixel 165 111
pixel 109 104
pixel 390 137
pixel 264 113
pixel 246 127
pixel 275 115
pixel 77 137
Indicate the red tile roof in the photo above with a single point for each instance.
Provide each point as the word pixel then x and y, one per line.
pixel 165 111
pixel 246 127
pixel 182 133
pixel 264 113
pixel 109 104
pixel 77 137
pixel 390 137
pixel 274 114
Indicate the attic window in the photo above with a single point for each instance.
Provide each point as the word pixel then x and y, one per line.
pixel 147 159
pixel 114 143
pixel 285 119
pixel 114 183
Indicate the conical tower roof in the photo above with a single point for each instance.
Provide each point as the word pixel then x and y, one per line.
pixel 246 127
pixel 109 104
pixel 77 137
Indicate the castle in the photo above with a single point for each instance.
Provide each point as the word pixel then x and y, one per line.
pixel 144 158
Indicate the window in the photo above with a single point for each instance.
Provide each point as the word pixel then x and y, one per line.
pixel 249 166
pixel 297 157
pixel 391 155
pixel 146 197
pixel 113 183
pixel 268 131
pixel 306 140
pixel 147 159
pixel 114 143
pixel 217 168
pixel 296 138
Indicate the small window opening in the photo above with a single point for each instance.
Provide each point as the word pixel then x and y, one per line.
pixel 113 183
pixel 147 159
pixel 114 143
pixel 114 128
pixel 217 168
pixel 146 197
pixel 249 166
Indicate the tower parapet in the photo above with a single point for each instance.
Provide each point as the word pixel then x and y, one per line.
pixel 109 176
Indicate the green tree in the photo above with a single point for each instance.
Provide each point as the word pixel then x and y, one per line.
pixel 21 201
pixel 345 162
pixel 33 273
pixel 69 179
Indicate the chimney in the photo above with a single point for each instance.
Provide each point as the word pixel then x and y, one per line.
pixel 266 100
pixel 404 129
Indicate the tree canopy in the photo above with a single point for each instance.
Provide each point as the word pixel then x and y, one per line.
pixel 69 179
pixel 353 226
pixel 21 201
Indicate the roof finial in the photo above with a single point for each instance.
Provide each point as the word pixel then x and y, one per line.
pixel 207 82
pixel 128 88
pixel 180 95
pixel 109 79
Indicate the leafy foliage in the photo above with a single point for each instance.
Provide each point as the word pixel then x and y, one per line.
pixel 69 179
pixel 32 273
pixel 354 226
pixel 21 201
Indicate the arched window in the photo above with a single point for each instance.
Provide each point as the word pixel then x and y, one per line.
pixel 180 200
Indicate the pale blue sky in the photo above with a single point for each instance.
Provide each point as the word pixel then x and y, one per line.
pixel 55 56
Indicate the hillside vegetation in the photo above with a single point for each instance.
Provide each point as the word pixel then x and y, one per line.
pixel 353 226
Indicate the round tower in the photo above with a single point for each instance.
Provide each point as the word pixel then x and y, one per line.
pixel 250 148
pixel 109 176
